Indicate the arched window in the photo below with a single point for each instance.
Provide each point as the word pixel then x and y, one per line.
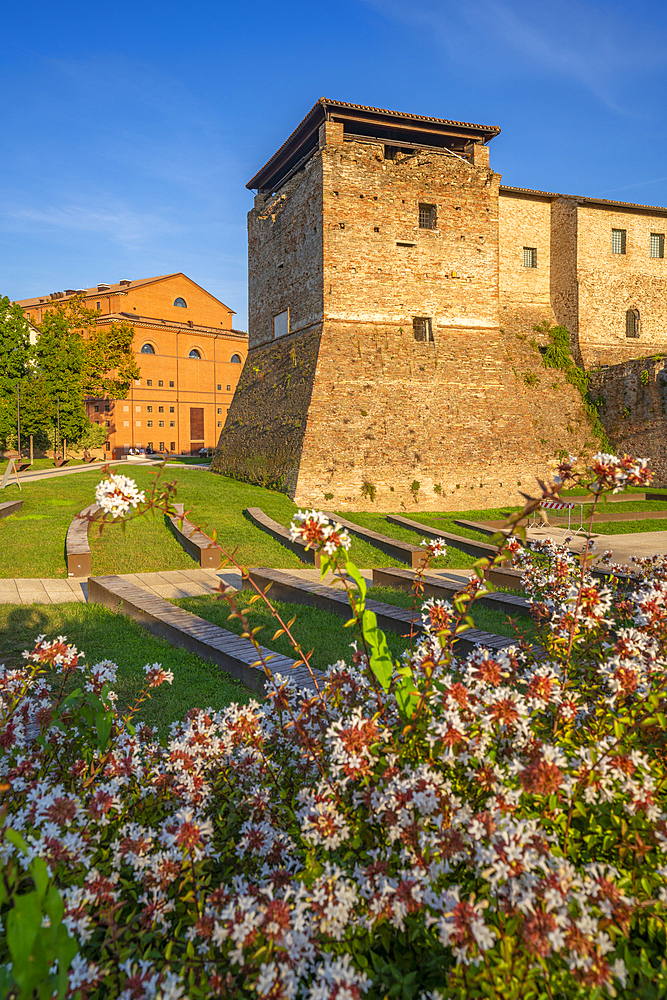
pixel 147 349
pixel 181 302
pixel 236 359
pixel 194 353
pixel 632 323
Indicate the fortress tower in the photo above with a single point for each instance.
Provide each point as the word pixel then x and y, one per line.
pixel 376 359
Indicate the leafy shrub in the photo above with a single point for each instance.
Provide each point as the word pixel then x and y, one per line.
pixel 490 826
pixel 531 378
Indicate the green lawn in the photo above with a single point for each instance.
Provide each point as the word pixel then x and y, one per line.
pixel 104 634
pixel 32 542
pixel 324 631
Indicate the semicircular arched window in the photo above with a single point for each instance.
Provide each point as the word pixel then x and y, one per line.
pixel 147 349
pixel 194 353
pixel 236 359
pixel 181 302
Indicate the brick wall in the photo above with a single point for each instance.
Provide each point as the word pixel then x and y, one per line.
pixel 350 399
pixel 525 292
pixel 633 409
pixel 610 284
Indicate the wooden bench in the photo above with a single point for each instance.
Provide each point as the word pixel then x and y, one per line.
pixel 198 545
pixel 10 507
pixel 181 628
pixel 287 587
pixel 77 547
pixel 438 586
pixel 281 534
pixel 499 575
pixel 413 555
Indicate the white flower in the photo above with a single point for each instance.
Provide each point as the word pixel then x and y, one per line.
pixel 117 494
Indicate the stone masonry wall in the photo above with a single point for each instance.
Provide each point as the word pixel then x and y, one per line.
pixel 610 284
pixel 380 266
pixel 350 403
pixel 262 439
pixel 285 255
pixel 632 401
pixel 525 292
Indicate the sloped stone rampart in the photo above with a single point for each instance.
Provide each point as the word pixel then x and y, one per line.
pixel 632 404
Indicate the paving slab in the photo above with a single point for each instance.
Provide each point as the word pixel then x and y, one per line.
pixel 32 592
pixel 8 592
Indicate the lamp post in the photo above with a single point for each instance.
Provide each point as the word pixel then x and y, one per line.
pixel 58 428
pixel 18 417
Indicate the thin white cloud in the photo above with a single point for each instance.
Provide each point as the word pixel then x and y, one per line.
pixel 628 187
pixel 120 224
pixel 601 49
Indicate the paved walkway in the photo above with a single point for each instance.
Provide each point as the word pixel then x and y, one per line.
pixel 171 584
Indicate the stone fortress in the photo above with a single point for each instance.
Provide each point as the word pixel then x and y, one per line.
pixel 393 288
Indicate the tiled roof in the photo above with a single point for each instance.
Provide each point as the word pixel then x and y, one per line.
pixel 582 199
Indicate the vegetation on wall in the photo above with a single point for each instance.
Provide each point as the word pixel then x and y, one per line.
pixel 558 354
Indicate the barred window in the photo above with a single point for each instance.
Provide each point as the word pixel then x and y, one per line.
pixel 530 256
pixel 632 323
pixel 657 244
pixel 618 240
pixel 428 216
pixel 422 328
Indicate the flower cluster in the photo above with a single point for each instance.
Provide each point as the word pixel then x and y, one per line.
pixel 117 494
pixel 435 546
pixel 316 530
pixel 612 472
pixel 496 828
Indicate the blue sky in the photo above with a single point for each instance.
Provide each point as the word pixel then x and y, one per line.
pixel 129 132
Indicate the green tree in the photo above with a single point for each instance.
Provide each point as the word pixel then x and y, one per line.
pixel 15 352
pixel 76 358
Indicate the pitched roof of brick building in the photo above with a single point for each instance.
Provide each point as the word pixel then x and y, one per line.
pixel 361 121
pixel 582 199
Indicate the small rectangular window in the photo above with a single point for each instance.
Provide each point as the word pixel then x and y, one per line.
pixel 161 448
pixel 160 382
pixel 281 324
pixel 107 445
pixel 428 216
pixel 171 385
pixel 97 409
pixel 229 388
pixel 149 423
pixel 171 409
pixel 657 244
pixel 219 388
pixel 632 323
pixel 173 446
pixel 160 409
pixel 172 423
pixel 422 328
pixel 219 423
pixel 530 256
pixel 149 381
pixel 99 306
pixel 618 240
pixel 149 409
pixel 219 409
pixel 160 423
pixel 149 444
pixel 107 423
pixel 106 407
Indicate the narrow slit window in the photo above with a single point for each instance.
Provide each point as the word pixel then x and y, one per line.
pixel 657 244
pixel 530 256
pixel 618 240
pixel 428 216
pixel 422 328
pixel 632 323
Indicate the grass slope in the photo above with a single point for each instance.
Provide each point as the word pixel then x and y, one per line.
pixel 106 635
